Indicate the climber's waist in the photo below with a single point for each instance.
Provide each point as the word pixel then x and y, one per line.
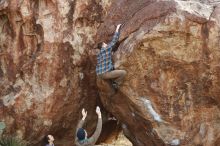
pixel 100 69
pixel 104 74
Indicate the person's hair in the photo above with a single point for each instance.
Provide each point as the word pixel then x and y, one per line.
pixel 99 46
pixel 81 134
pixel 46 139
pixel 115 47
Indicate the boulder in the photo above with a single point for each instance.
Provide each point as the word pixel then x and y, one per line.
pixel 170 50
pixel 46 73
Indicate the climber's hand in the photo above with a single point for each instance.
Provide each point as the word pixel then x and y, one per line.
pixel 98 112
pixel 84 114
pixel 118 27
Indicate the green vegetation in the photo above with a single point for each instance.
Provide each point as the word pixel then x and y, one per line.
pixel 2 127
pixel 11 141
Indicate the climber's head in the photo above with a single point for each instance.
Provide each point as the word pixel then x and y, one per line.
pixel 48 139
pixel 81 134
pixel 102 45
pixel 51 138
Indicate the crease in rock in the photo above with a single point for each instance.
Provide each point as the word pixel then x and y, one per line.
pixel 113 101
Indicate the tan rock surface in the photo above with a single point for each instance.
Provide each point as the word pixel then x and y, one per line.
pixel 46 76
pixel 170 50
pixel 120 141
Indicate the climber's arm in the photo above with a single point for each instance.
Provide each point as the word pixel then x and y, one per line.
pixel 95 136
pixel 115 37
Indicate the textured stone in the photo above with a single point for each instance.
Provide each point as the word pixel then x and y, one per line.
pixel 170 50
pixel 121 140
pixel 45 66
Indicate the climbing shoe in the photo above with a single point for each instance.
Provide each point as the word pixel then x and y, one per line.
pixel 115 85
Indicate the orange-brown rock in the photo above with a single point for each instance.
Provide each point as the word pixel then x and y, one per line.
pixel 46 76
pixel 170 50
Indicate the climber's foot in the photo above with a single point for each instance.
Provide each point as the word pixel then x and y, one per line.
pixel 115 85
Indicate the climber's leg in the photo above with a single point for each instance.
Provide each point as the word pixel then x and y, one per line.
pixel 117 75
pixel 119 80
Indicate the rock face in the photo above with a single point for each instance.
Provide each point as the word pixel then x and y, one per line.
pixel 46 76
pixel 170 50
pixel 120 141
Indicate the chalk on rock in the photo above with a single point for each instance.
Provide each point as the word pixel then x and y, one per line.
pixel 175 142
pixel 152 112
pixel 81 76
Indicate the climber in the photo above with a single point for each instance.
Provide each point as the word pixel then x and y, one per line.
pixel 48 139
pixel 81 134
pixel 105 67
